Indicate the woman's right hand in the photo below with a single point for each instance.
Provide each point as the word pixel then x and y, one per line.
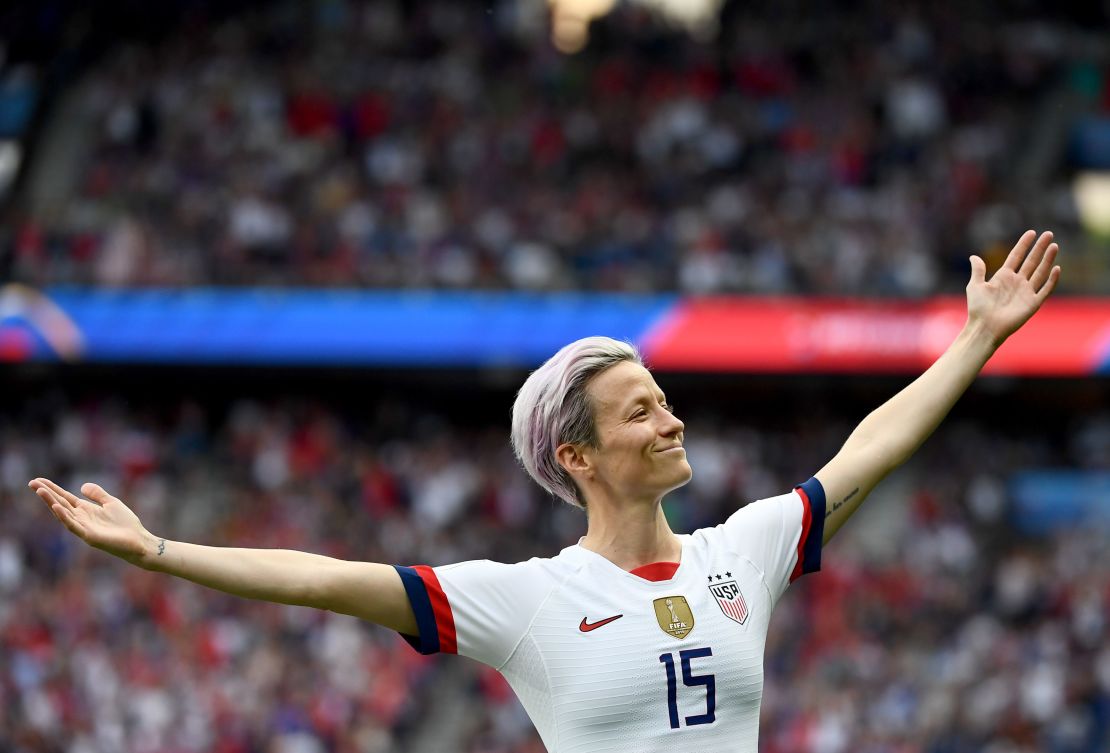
pixel 101 521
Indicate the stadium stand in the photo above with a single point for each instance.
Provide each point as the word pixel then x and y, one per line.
pixel 387 145
pixel 937 628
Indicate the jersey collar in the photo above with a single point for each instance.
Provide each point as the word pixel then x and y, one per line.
pixel 655 572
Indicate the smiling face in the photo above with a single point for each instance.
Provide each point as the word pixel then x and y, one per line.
pixel 639 453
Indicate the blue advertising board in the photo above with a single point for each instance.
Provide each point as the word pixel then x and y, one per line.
pixel 298 327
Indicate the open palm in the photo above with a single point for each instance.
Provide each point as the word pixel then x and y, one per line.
pixel 101 520
pixel 1017 289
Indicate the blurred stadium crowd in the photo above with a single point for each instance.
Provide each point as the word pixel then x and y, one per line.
pixel 972 638
pixel 808 149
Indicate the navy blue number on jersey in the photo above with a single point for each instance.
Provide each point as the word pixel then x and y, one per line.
pixel 690 680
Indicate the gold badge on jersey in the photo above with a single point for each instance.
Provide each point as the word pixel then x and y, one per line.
pixel 674 616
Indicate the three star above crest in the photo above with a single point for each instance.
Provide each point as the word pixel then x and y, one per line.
pixel 718 576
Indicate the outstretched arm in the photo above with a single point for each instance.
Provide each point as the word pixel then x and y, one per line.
pixel 888 436
pixel 366 590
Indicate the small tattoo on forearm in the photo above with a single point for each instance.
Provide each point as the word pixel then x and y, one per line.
pixel 161 546
pixel 836 506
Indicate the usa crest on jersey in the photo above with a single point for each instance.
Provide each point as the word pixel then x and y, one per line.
pixel 729 598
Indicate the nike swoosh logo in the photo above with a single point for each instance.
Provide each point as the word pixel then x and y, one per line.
pixel 586 627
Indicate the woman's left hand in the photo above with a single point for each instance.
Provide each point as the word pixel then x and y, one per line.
pixel 1015 292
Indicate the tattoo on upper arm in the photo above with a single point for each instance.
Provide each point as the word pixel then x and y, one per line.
pixel 161 546
pixel 836 506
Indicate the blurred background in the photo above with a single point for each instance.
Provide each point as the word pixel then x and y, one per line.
pixel 272 272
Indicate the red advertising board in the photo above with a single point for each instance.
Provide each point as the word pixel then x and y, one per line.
pixel 787 335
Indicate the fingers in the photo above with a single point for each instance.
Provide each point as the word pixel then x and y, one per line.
pixel 1018 252
pixel 1044 268
pixel 1046 291
pixel 61 507
pixel 1033 260
pixel 50 498
pixel 63 497
pixel 978 270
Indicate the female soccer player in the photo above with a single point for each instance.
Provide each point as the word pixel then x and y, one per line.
pixel 635 638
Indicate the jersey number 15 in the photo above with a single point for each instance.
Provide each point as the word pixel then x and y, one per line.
pixel 690 680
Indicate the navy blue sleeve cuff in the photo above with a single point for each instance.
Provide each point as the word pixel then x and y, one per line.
pixel 428 640
pixel 811 549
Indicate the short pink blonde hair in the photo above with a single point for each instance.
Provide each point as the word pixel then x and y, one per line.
pixel 553 408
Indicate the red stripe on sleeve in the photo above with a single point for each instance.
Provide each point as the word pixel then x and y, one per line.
pixel 806 522
pixel 441 608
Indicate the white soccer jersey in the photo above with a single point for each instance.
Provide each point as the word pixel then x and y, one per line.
pixel 607 660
